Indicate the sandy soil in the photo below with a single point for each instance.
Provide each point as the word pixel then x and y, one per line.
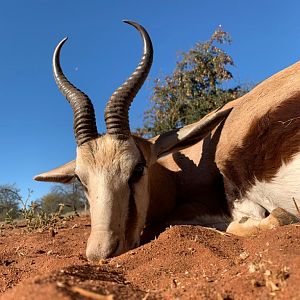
pixel 184 262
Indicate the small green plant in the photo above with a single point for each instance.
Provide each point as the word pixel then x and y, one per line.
pixel 34 216
pixel 9 219
pixel 37 219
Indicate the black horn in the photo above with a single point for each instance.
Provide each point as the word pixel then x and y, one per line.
pixel 85 127
pixel 116 111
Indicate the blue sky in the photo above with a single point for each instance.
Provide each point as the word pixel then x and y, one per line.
pixel 36 121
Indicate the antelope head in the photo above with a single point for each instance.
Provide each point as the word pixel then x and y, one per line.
pixel 114 168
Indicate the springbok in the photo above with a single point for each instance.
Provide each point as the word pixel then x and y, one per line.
pixel 236 165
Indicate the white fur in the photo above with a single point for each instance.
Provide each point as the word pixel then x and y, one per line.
pixel 270 195
pixel 247 208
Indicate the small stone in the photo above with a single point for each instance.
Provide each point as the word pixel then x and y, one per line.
pixel 60 284
pixel 244 255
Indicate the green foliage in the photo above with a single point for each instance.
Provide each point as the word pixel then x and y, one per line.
pixel 47 213
pixel 71 196
pixel 38 219
pixel 195 88
pixel 9 201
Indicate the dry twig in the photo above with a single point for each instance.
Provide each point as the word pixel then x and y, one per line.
pixel 218 231
pixel 89 294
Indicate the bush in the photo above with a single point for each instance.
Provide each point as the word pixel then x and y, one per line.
pixel 195 88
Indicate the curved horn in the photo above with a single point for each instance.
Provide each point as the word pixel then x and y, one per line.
pixel 116 111
pixel 85 127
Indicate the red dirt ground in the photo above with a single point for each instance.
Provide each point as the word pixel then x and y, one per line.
pixel 184 262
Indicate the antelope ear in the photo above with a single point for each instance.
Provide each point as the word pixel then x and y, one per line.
pixel 62 174
pixel 186 136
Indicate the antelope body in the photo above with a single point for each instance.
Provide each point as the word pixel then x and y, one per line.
pixel 228 170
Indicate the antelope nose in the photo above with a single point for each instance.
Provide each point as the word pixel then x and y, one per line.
pixel 96 251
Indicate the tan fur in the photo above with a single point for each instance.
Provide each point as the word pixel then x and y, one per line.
pixel 262 132
pixel 247 227
pixel 121 205
pixel 103 152
pixel 104 166
pixel 200 183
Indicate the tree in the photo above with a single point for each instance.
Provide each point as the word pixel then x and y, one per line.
pixel 9 201
pixel 195 88
pixel 71 196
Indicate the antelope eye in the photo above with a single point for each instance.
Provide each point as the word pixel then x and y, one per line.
pixel 137 173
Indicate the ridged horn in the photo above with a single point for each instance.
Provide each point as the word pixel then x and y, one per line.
pixel 117 107
pixel 85 127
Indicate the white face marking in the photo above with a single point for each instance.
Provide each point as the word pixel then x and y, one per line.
pixel 118 207
pixel 270 195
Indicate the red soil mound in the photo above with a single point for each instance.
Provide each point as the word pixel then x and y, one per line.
pixel 184 262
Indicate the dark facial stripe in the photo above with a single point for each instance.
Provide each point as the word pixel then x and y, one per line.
pixel 131 222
